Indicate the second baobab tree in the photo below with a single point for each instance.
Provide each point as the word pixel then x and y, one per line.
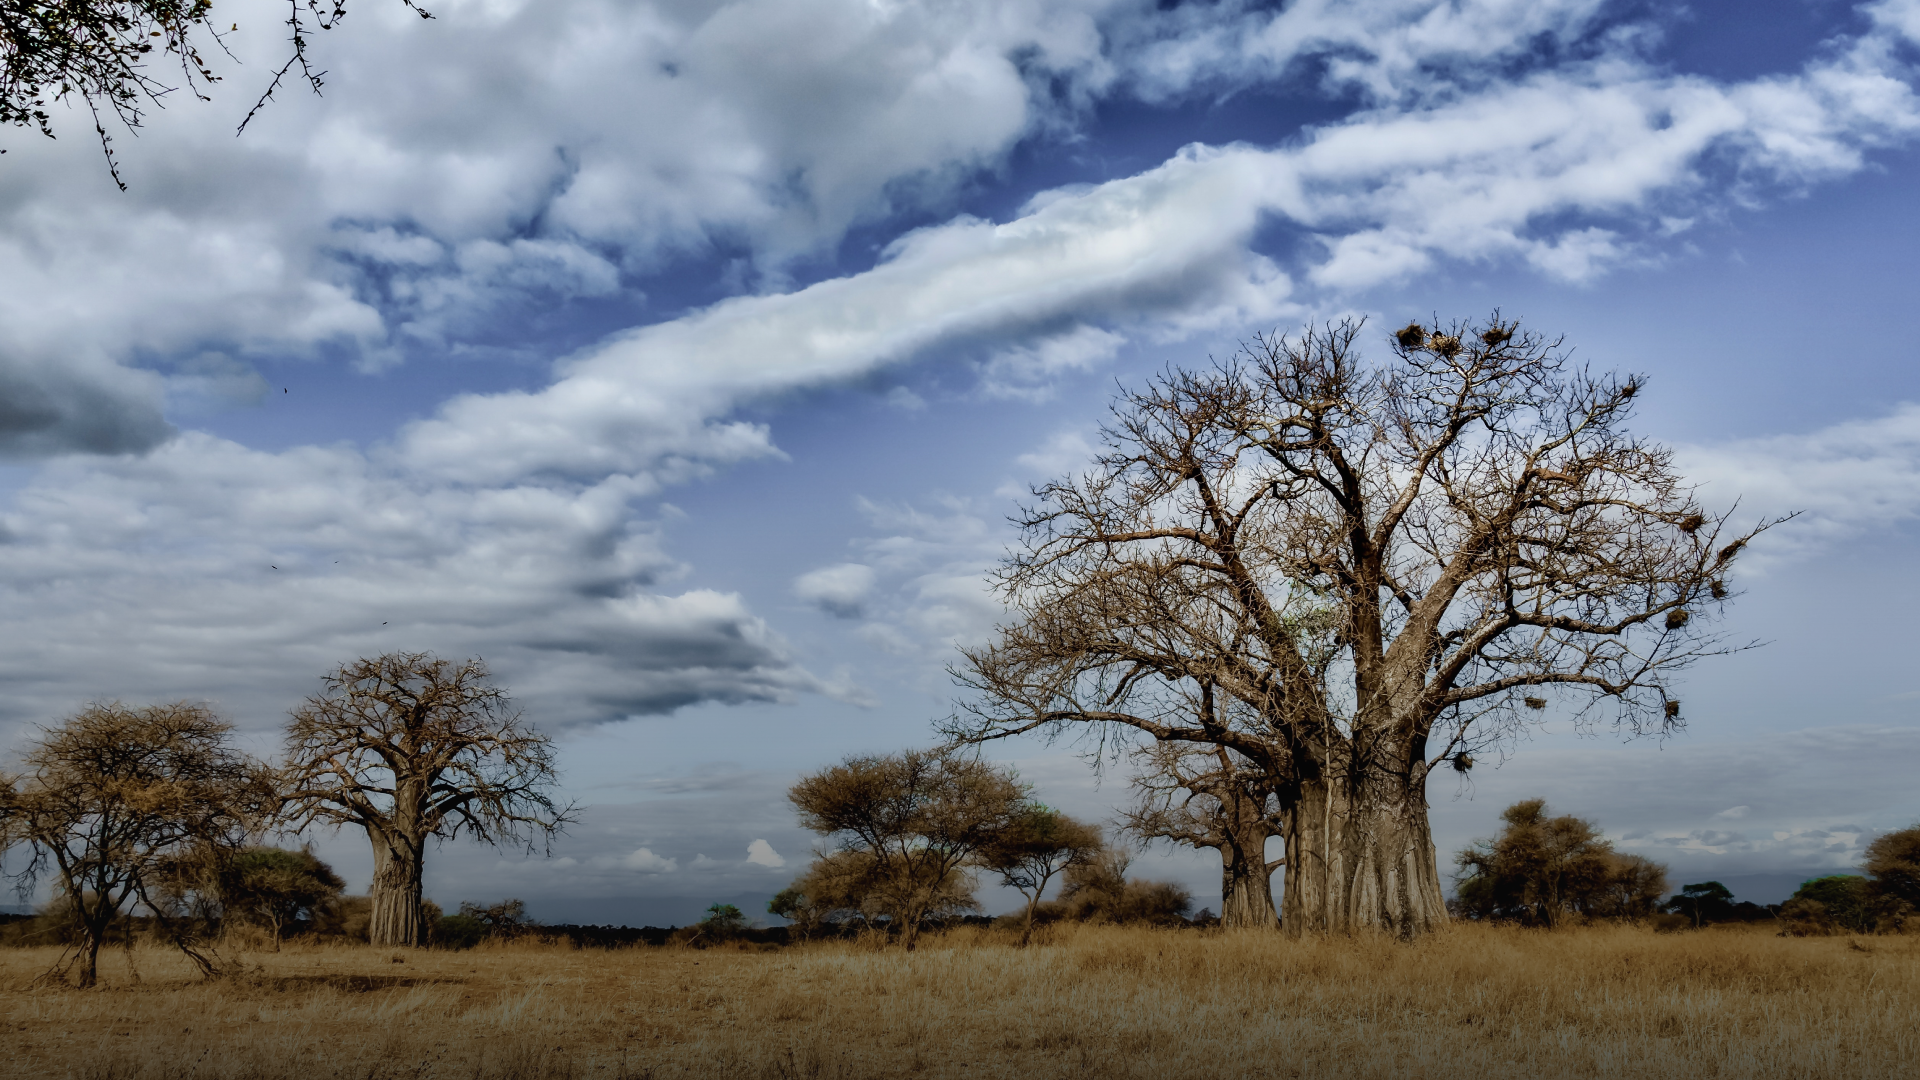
pixel 1384 566
pixel 410 747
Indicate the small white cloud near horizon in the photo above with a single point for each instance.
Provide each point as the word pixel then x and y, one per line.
pixel 643 860
pixel 761 853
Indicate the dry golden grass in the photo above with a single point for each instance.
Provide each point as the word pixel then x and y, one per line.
pixel 1475 1002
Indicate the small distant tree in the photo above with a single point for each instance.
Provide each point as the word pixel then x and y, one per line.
pixel 506 919
pixel 1632 889
pixel 273 888
pixel 851 889
pixel 1209 797
pixel 906 825
pixel 408 747
pixel 1098 890
pixel 723 922
pixel 1542 868
pixel 1703 902
pixel 110 799
pixel 1038 844
pixel 1837 903
pixel 1893 862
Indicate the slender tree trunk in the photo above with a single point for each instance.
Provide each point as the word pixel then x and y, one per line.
pixel 397 915
pixel 1360 861
pixel 90 959
pixel 1026 932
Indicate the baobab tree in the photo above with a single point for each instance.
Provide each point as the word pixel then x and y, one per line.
pixel 109 801
pixel 1388 567
pixel 1207 796
pixel 409 747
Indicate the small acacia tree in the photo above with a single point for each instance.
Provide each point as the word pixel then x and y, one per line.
pixel 1385 565
pixel 111 799
pixel 1210 797
pixel 906 825
pixel 408 747
pixel 1893 861
pixel 272 888
pixel 1038 844
pixel 1541 869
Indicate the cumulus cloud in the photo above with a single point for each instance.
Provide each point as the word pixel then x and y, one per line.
pixel 640 860
pixel 840 591
pixel 761 853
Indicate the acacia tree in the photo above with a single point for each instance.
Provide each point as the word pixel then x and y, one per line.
pixel 1383 564
pixel 111 799
pixel 1036 845
pixel 1206 796
pixel 906 825
pixel 273 887
pixel 1542 868
pixel 409 747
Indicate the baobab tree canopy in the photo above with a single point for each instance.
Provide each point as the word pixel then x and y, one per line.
pixel 410 746
pixel 1350 573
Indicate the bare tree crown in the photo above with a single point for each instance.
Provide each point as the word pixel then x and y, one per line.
pixel 1345 550
pixel 426 745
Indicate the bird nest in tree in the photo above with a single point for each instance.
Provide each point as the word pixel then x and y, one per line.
pixel 1535 703
pixel 1677 618
pixel 1411 336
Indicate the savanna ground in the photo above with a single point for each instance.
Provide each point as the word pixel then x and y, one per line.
pixel 1475 1001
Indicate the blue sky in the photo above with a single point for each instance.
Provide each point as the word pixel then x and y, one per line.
pixel 684 359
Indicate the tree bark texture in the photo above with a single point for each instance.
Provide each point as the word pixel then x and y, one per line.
pixel 397 917
pixel 1360 864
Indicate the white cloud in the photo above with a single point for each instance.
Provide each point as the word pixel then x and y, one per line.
pixel 645 861
pixel 207 569
pixel 761 853
pixel 503 523
pixel 840 591
pixel 1846 478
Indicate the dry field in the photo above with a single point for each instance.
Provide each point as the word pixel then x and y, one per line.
pixel 1475 1002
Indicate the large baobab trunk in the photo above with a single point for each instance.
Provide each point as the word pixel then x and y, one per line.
pixel 1361 863
pixel 397 915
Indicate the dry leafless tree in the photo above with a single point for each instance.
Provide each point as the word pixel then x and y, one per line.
pixel 110 799
pixel 409 747
pixel 1385 566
